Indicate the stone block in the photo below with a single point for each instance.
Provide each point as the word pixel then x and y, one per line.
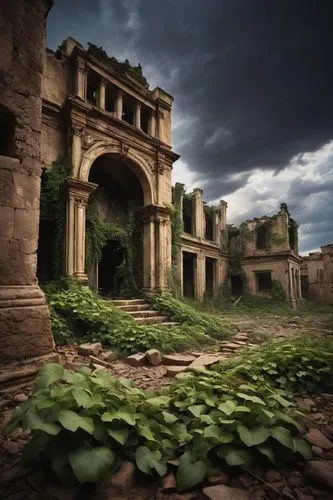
pixel 172 371
pixel 154 357
pixel 317 438
pixel 124 478
pixel 222 492
pixel 89 349
pixel 26 224
pixel 26 191
pixel 6 222
pixel 320 472
pixel 138 359
pixel 177 359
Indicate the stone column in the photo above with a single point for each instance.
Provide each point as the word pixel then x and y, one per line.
pixel 137 115
pixel 152 124
pixel 119 104
pixel 76 149
pixel 149 276
pixel 200 276
pixel 223 216
pixel 25 327
pixel 101 94
pixel 162 254
pixel 78 195
pixel 198 213
pixel 160 125
pixel 81 79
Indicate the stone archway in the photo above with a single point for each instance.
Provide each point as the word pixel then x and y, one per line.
pixel 155 219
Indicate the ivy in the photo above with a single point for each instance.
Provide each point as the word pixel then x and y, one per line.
pixel 53 203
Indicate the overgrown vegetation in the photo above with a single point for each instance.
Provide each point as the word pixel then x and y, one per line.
pixel 184 313
pixel 121 67
pixel 53 202
pixel 78 313
pixel 176 233
pixel 301 365
pixel 84 425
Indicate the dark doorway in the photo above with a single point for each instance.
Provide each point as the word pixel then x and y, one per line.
pixel 305 287
pixel 110 277
pixel 189 261
pixel 236 285
pixel 262 237
pixel 210 273
pixel 45 251
pixel 188 215
pixel 209 231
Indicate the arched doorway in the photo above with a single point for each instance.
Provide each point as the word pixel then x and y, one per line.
pixel 113 207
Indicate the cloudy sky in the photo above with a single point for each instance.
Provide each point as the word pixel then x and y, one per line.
pixel 253 87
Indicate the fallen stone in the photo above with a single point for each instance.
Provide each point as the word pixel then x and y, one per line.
pixel 89 349
pixel 205 360
pixel 229 345
pixel 172 371
pixel 320 471
pixel 181 375
pixel 222 478
pixel 317 451
pixel 168 482
pixel 306 404
pixel 317 438
pixel 96 367
pixel 296 480
pixel 108 356
pixel 154 357
pixel 20 398
pixel 178 359
pixel 222 492
pixel 272 476
pixel 138 359
pixel 241 336
pixel 124 478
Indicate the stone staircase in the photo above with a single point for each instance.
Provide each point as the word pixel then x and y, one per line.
pixel 142 312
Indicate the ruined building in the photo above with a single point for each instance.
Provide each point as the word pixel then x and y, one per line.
pixel 317 275
pixel 116 134
pixel 250 257
pixel 25 327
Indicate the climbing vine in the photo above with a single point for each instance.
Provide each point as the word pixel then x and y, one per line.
pixel 53 205
pixel 176 234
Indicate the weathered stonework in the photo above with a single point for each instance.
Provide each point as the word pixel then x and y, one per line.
pixel 25 328
pixel 317 275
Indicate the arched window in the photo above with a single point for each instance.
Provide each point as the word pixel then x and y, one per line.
pixel 7 131
pixel 262 237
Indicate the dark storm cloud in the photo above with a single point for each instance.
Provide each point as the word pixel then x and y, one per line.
pixel 255 76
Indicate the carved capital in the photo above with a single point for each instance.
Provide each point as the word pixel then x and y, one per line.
pixel 80 64
pixel 80 201
pixel 124 149
pixel 77 129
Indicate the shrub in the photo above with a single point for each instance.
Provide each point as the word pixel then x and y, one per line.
pixel 179 311
pixel 85 424
pixel 300 365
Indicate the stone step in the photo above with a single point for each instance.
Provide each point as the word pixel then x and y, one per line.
pixel 151 321
pixel 135 307
pixel 169 324
pixel 127 302
pixel 149 313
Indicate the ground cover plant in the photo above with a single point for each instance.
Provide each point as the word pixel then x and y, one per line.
pixel 302 365
pixel 184 312
pixel 85 424
pixel 77 313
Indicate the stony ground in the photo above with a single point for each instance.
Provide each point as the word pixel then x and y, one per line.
pixel 313 482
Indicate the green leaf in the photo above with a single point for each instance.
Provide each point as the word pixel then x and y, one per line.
pixel 32 420
pixel 303 448
pixel 197 410
pixel 283 402
pixel 216 433
pixel 228 407
pixel 120 435
pixel 145 431
pixel 61 466
pixel 91 465
pixel 254 399
pixel 109 416
pixel 147 460
pixel 238 457
pixel 190 472
pixel 47 375
pixel 253 436
pixel 81 396
pixel 286 418
pixel 282 435
pixel 207 419
pixel 169 418
pixel 127 415
pixel 158 401
pixel 267 451
pixel 72 421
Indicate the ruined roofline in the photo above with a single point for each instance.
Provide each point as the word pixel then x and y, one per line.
pixel 124 71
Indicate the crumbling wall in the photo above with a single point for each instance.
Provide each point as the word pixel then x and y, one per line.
pixel 25 328
pixel 327 252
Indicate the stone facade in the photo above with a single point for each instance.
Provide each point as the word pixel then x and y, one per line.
pixel 266 250
pixel 102 115
pixel 317 275
pixel 25 328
